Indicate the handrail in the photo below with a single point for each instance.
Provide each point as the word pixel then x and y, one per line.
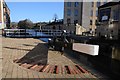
pixel 32 32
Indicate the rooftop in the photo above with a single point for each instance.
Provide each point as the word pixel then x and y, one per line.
pixel 110 4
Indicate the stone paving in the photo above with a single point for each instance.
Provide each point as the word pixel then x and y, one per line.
pixel 13 48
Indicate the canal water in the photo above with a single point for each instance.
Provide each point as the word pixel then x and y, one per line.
pixel 44 39
pixel 33 33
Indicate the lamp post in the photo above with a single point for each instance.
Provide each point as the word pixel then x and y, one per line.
pixel 40 26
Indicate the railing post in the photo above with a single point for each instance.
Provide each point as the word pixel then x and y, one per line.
pixel 19 33
pixel 36 32
pixel 52 33
pixel 8 33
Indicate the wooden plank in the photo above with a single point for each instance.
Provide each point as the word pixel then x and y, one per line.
pixel 51 69
pixel 62 70
pixel 38 68
pixel 27 66
pixel 81 69
pixel 33 67
pixel 74 70
pixel 69 69
pixel 57 69
pixel 44 68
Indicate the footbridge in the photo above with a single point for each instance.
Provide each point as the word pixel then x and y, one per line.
pixel 33 33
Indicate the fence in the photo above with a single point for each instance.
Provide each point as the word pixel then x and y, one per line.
pixel 32 33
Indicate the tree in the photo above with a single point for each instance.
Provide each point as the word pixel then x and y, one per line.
pixel 25 24
pixel 14 24
pixel 8 23
pixel 55 17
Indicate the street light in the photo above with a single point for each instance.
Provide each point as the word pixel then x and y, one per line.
pixel 40 26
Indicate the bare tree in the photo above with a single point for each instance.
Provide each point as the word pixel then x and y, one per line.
pixel 55 17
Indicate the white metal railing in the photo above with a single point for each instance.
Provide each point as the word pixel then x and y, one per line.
pixel 32 32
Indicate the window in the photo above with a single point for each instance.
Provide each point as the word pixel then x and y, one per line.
pixel 68 12
pixel 92 4
pixel 96 22
pixel 105 2
pixel 98 4
pixel 76 4
pixel 68 4
pixel 76 12
pixel 97 13
pixel 104 14
pixel 68 21
pixel 91 13
pixel 116 14
pixel 90 22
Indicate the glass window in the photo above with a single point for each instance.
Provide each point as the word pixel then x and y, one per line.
pixel 68 12
pixel 105 2
pixel 91 13
pixel 116 14
pixel 104 14
pixel 90 22
pixel 76 12
pixel 97 13
pixel 68 4
pixel 68 21
pixel 76 4
pixel 92 4
pixel 98 4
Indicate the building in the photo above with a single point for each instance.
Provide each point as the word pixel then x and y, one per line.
pixel 74 13
pixel 4 15
pixel 109 20
pixel 94 12
pixel 55 25
pixel 83 13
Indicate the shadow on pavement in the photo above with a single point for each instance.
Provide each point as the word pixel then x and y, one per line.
pixel 38 55
pixel 28 45
pixel 17 48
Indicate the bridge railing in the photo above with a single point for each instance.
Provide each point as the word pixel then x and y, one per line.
pixel 32 32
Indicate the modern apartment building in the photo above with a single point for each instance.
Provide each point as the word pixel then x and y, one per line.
pixel 83 13
pixel 4 15
pixel 74 13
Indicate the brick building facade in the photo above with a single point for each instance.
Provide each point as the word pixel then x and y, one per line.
pixel 4 15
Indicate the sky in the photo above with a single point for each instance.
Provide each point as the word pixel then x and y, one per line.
pixel 35 11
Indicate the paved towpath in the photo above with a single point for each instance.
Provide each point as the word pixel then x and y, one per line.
pixel 32 49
